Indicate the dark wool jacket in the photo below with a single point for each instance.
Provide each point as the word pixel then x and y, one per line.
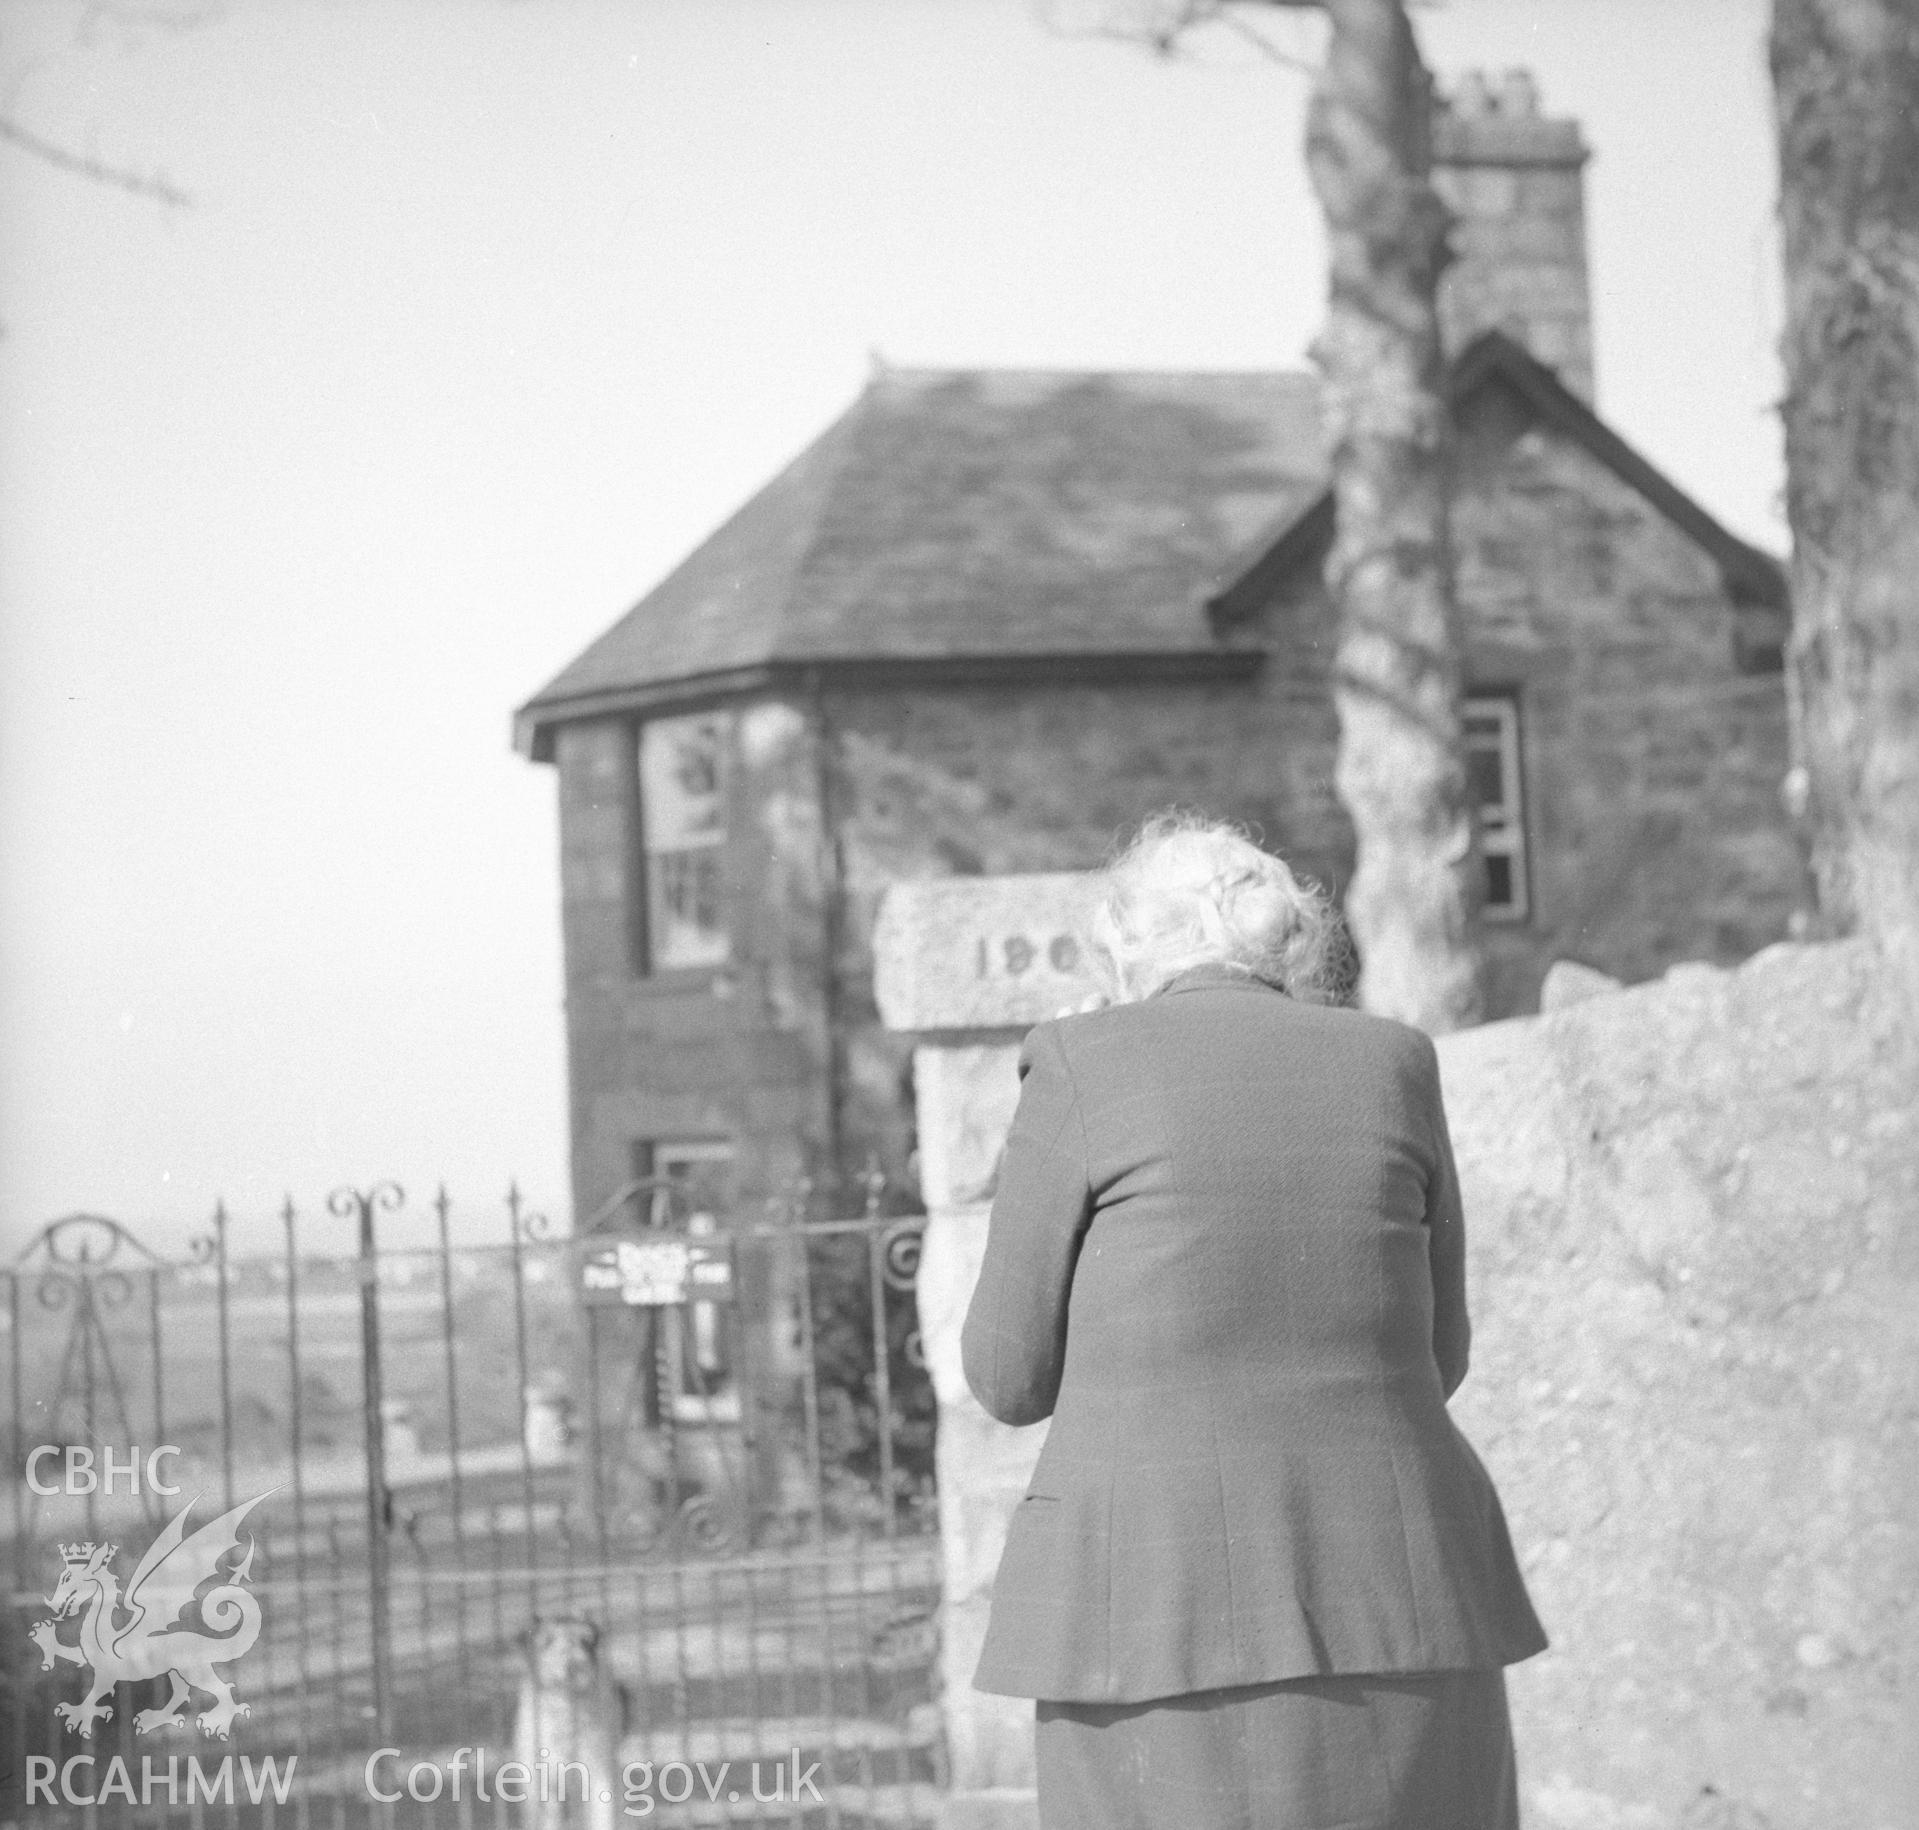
pixel 1226 1258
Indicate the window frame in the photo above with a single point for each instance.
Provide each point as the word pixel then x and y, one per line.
pixel 1504 835
pixel 647 932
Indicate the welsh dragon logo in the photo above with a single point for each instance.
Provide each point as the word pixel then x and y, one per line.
pixel 158 1640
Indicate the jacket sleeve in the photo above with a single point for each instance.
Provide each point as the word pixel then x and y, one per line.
pixel 1013 1343
pixel 1446 1242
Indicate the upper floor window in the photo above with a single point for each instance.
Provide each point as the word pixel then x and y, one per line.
pixel 683 769
pixel 1494 784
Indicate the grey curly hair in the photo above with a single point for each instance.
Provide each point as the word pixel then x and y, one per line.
pixel 1189 891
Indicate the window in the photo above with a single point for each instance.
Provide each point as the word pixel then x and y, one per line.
pixel 1493 783
pixel 683 825
pixel 697 1169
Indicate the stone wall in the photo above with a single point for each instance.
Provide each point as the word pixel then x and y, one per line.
pixel 1693 1227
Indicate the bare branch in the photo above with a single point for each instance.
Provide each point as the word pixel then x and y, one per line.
pixel 1164 27
pixel 1229 18
pixel 98 171
pixel 132 22
pixel 1158 25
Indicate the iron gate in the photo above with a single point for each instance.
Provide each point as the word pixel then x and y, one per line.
pixel 667 1543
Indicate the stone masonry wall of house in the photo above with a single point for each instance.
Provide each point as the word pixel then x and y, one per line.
pixel 740 1052
pixel 1651 770
pixel 1653 766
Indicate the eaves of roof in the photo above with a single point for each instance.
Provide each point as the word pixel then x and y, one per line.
pixel 535 727
pixel 972 525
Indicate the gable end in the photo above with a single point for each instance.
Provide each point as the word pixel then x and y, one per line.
pixel 1754 580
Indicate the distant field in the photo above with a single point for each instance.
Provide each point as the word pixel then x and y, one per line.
pixel 120 1364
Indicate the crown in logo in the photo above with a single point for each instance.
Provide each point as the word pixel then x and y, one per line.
pixel 77 1556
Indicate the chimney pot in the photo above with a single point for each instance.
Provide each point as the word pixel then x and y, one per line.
pixel 1518 95
pixel 1471 98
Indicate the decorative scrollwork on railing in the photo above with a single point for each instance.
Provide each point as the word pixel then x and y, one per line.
pixel 382 1197
pixel 699 1524
pixel 83 1253
pixel 914 1348
pixel 56 1290
pixel 535 1227
pixel 84 1268
pixel 528 1226
pixel 83 1245
pixel 702 1524
pixel 900 1247
pixel 109 1289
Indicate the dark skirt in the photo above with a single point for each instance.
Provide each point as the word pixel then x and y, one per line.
pixel 1416 1750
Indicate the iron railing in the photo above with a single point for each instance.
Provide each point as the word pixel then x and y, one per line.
pixel 650 1529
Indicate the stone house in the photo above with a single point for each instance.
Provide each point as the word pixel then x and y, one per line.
pixel 987 621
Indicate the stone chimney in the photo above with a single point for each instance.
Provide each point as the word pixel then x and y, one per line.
pixel 1514 179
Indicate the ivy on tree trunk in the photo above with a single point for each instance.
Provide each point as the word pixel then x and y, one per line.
pixel 1413 901
pixel 1846 91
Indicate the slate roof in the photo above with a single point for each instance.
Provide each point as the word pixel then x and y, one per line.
pixel 1028 520
pixel 965 515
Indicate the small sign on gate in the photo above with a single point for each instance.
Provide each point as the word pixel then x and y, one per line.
pixel 661 1272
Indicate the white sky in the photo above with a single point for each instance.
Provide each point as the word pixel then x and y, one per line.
pixel 484 312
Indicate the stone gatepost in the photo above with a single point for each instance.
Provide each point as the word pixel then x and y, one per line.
pixel 966 966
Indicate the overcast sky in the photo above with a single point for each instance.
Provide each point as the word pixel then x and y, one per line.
pixel 481 315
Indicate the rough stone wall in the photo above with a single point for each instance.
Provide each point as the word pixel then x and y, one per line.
pixel 1693 1239
pixel 1693 1228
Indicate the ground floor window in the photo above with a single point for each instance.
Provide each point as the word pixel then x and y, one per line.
pixel 1495 785
pixel 690 1189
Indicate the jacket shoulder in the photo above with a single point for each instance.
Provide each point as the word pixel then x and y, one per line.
pixel 1401 1038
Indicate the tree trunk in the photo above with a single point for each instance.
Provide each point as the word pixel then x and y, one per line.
pixel 1413 902
pixel 1846 89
